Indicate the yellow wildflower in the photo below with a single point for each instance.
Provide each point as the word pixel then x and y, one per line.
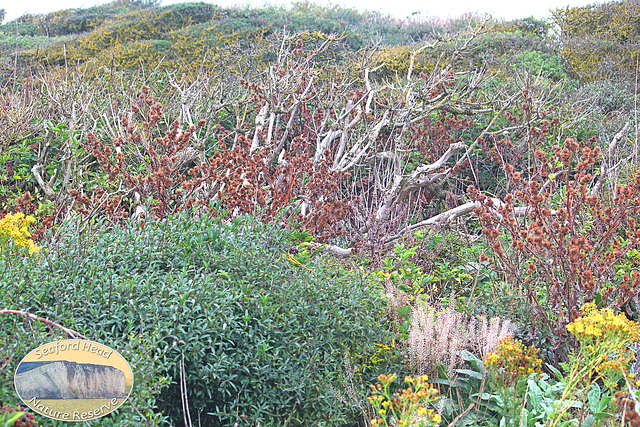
pixel 14 230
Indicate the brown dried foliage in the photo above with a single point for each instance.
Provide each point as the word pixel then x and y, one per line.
pixel 246 183
pixel 141 166
pixel 153 172
pixel 625 403
pixel 566 248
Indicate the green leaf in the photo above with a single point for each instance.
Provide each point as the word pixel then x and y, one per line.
pixel 471 373
pixel 593 397
pixel 597 298
pixel 489 397
pixel 589 421
pixel 473 360
pixel 602 415
pixel 555 372
pixel 404 311
pixel 15 417
pixel 535 392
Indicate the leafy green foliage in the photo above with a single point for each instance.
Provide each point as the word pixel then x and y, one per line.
pixel 261 338
pixel 609 96
pixel 543 63
pixel 470 385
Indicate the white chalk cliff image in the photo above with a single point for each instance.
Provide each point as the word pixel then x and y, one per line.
pixel 61 379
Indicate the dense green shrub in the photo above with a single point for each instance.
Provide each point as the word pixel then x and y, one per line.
pixel 531 26
pixel 543 63
pixel 10 43
pixel 608 96
pixel 21 28
pixel 261 337
pixel 506 45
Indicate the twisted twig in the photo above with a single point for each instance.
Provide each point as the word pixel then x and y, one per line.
pixel 70 332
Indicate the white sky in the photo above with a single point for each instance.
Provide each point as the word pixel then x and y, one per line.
pixel 508 9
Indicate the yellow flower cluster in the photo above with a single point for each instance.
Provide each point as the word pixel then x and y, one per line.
pixel 595 326
pixel 618 364
pixel 382 354
pixel 605 339
pixel 512 361
pixel 408 406
pixel 14 229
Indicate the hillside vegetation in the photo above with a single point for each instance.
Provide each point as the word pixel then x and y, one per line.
pixel 269 210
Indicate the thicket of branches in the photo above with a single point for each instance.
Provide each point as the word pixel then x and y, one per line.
pixel 360 147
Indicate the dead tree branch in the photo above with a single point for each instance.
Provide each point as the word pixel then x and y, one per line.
pixel 70 332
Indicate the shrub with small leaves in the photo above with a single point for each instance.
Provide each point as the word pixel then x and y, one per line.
pixel 260 340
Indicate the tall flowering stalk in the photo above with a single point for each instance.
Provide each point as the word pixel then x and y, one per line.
pixel 14 231
pixel 605 338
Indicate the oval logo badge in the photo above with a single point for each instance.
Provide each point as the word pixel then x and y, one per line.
pixel 73 380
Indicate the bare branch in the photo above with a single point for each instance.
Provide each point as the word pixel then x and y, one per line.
pixel 449 216
pixel 439 220
pixel 605 169
pixel 70 332
pixel 413 180
pixel 358 151
pixel 294 111
pixel 260 122
pixel 48 191
pixel 486 129
pixel 336 250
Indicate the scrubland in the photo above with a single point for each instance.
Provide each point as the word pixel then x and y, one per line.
pixel 320 217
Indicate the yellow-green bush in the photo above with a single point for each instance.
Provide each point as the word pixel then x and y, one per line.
pixel 152 25
pixel 396 60
pixel 137 53
pixel 70 21
pixel 599 41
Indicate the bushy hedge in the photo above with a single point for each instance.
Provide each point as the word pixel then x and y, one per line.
pixel 261 337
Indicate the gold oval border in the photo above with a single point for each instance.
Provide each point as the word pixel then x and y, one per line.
pixel 91 347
